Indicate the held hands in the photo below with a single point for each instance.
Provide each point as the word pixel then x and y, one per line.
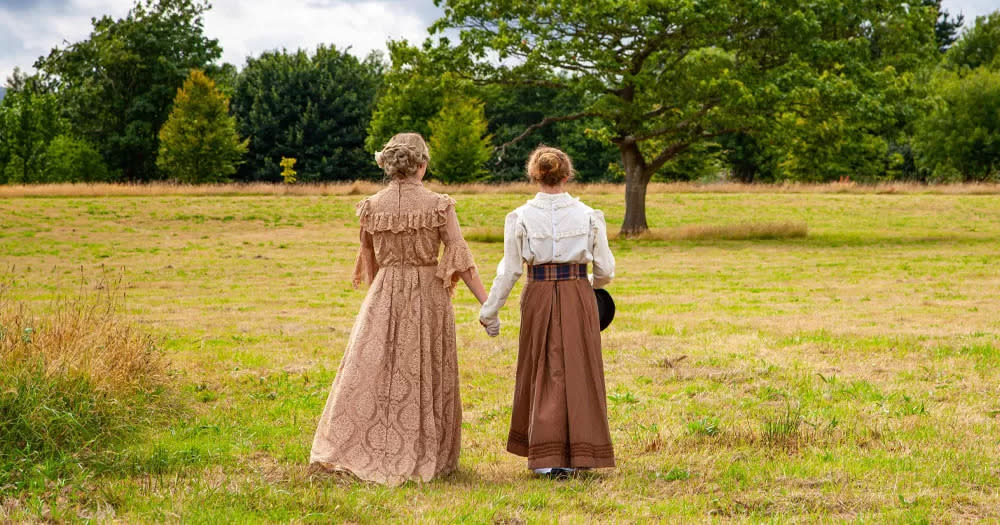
pixel 492 326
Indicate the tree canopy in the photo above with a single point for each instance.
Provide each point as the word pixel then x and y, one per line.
pixel 29 121
pixel 958 137
pixel 413 93
pixel 459 143
pixel 979 45
pixel 199 142
pixel 116 87
pixel 315 108
pixel 633 90
pixel 665 75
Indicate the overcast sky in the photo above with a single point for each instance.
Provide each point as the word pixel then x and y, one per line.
pixel 30 28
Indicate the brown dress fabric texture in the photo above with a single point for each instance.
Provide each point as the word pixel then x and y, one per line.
pixel 560 408
pixel 393 413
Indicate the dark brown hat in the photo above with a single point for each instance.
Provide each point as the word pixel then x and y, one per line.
pixel 605 307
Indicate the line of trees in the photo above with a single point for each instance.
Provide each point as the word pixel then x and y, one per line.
pixel 635 90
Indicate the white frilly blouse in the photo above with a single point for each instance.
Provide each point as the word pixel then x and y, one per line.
pixel 550 229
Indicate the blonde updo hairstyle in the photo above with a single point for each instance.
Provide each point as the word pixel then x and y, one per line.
pixel 403 155
pixel 549 166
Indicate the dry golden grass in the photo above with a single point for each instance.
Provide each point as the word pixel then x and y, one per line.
pixel 164 188
pixel 77 382
pixel 369 187
pixel 83 336
pixel 728 232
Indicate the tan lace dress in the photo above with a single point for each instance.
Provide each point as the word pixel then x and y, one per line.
pixel 393 413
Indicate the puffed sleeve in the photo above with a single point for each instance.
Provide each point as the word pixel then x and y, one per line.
pixel 365 265
pixel 457 257
pixel 604 260
pixel 508 271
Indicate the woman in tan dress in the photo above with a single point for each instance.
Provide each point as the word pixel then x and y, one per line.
pixel 559 421
pixel 393 413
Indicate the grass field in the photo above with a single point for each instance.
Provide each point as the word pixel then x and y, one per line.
pixel 851 374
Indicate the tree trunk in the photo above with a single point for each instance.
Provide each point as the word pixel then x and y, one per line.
pixel 635 190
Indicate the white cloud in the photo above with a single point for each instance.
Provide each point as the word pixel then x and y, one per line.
pixel 31 28
pixel 970 8
pixel 269 24
pixel 33 31
pixel 243 27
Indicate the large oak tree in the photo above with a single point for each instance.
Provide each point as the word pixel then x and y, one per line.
pixel 666 75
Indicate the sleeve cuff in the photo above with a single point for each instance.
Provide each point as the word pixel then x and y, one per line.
pixel 457 258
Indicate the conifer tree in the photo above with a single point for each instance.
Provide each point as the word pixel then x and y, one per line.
pixel 199 142
pixel 459 143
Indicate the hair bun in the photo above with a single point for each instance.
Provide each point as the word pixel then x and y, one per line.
pixel 548 162
pixel 403 155
pixel 549 166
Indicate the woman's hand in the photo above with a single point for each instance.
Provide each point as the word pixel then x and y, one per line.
pixel 492 326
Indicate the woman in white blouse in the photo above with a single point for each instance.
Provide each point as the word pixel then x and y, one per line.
pixel 559 420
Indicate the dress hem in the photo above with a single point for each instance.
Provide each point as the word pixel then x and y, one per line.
pixel 332 467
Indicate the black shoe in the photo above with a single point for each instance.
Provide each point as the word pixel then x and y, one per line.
pixel 561 473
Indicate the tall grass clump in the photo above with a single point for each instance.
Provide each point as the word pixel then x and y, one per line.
pixel 75 382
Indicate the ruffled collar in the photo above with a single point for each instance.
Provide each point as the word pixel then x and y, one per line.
pixel 550 200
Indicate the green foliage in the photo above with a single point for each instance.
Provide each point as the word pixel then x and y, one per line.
pixel 288 170
pixel 29 120
pixel 117 85
pixel 960 138
pixel 69 159
pixel 225 76
pixel 841 123
pixel 701 162
pixel 979 45
pixel 413 92
pixel 749 158
pixel 947 26
pixel 629 88
pixel 459 143
pixel 660 76
pixel 199 142
pixel 706 426
pixel 410 96
pixel 512 109
pixel 315 108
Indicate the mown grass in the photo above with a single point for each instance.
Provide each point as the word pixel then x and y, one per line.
pixel 848 374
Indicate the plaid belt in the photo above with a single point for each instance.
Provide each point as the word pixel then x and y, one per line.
pixel 557 272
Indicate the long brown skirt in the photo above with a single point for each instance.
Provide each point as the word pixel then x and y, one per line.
pixel 560 416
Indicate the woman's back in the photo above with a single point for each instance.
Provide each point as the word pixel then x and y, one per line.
pixel 405 221
pixel 394 412
pixel 403 226
pixel 559 418
pixel 559 229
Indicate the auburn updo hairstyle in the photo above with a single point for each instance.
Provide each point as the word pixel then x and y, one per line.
pixel 549 166
pixel 403 155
